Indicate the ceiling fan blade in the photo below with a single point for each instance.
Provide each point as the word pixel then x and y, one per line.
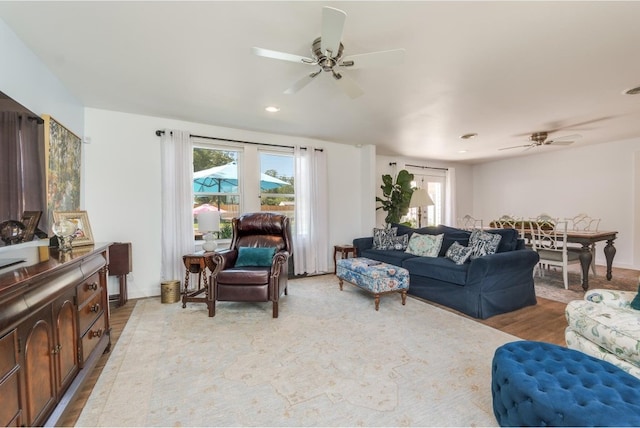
pixel 302 83
pixel 332 27
pixel 281 55
pixel 347 85
pixel 374 59
pixel 558 143
pixel 528 146
pixel 566 137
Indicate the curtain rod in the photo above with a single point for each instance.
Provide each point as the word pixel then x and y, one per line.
pixel 159 132
pixel 420 166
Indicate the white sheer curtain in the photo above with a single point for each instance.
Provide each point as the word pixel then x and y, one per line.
pixel 311 232
pixel 177 202
pixel 450 205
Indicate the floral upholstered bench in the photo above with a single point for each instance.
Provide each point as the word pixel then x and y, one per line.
pixel 373 276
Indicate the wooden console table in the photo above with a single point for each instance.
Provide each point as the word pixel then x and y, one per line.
pixel 54 326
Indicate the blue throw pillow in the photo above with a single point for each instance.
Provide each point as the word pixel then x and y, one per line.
pixel 255 256
pixel 635 303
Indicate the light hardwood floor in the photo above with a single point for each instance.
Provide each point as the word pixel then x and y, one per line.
pixel 543 322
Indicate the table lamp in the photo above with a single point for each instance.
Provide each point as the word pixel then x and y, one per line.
pixel 208 222
pixel 420 198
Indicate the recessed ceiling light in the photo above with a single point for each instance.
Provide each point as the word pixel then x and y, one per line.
pixel 633 91
pixel 469 136
pixel 462 151
pixel 272 109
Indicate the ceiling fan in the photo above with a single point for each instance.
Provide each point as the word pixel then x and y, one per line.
pixel 540 139
pixel 327 54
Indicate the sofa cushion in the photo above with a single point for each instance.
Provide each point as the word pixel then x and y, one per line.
pixel 425 245
pixel 440 268
pixel 403 229
pixel 387 256
pixel 458 253
pixel 509 240
pixel 382 238
pixel 483 243
pixel 451 235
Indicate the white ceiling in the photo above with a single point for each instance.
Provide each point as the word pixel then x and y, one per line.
pixel 499 69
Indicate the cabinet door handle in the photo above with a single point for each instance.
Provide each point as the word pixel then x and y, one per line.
pixel 93 286
pixel 95 307
pixel 56 350
pixel 95 333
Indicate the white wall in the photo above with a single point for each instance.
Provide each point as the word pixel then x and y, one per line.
pixel 596 179
pixel 123 198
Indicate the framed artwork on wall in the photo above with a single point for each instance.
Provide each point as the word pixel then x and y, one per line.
pixel 63 156
pixel 83 235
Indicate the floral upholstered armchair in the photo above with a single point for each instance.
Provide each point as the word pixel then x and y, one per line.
pixel 605 326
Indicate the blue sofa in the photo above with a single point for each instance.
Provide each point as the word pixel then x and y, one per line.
pixel 482 287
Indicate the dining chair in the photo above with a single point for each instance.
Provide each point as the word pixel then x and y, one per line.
pixel 548 239
pixel 469 223
pixel 544 217
pixel 509 222
pixel 584 223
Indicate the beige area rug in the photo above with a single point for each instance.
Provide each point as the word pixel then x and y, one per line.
pixel 329 360
pixel 551 285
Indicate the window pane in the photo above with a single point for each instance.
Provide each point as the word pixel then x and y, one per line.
pixel 276 183
pixel 431 215
pixel 216 186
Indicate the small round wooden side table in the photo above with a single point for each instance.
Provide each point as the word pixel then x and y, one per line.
pixel 344 251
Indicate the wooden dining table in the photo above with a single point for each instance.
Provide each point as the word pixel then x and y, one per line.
pixel 587 239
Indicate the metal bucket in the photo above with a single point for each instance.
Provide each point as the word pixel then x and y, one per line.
pixel 170 291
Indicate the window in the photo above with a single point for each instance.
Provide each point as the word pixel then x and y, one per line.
pixel 216 185
pixel 276 183
pixel 435 183
pixel 226 180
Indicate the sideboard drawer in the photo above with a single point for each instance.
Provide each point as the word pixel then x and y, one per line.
pixel 9 380
pixel 87 288
pixel 89 311
pixel 92 337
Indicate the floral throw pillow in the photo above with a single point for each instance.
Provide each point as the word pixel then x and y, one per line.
pixel 425 245
pixel 458 253
pixel 483 243
pixel 383 238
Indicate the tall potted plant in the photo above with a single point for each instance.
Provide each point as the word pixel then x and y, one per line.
pixel 396 196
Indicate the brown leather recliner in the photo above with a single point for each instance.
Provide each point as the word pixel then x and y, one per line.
pixel 251 283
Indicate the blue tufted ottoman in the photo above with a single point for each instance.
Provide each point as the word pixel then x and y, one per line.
pixel 541 384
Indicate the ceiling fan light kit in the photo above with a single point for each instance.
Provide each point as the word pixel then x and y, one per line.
pixel 327 53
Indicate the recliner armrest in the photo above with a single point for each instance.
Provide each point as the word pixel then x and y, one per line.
pixel 221 260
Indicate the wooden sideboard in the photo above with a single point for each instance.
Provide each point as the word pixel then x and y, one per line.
pixel 54 326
